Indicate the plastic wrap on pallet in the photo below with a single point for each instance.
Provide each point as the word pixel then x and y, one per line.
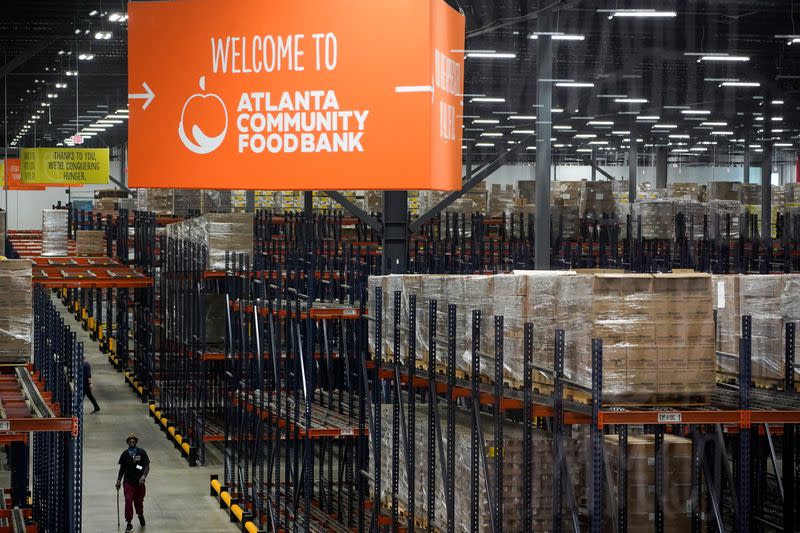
pixel 684 191
pixel 597 198
pixel 751 194
pixel 641 481
pixel 158 201
pixel 501 200
pixel 694 217
pixel 657 333
pixel 184 200
pixel 566 193
pixel 657 221
pixel 724 190
pixel 527 191
pixel 213 201
pixel 54 232
pixel 222 233
pixel 724 218
pixel 90 242
pixel 514 506
pixel 16 311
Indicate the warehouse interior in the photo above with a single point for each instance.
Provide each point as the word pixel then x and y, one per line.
pixel 593 329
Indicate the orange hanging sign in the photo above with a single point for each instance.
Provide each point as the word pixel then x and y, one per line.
pixel 10 173
pixel 301 95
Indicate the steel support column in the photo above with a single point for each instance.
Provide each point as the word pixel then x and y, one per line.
pixel 544 125
pixel 661 168
pixel 766 178
pixel 633 160
pixel 594 164
pixel 748 137
pixel 249 201
pixel 395 232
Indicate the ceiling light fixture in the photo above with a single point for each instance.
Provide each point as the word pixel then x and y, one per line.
pixel 695 112
pixel 486 121
pixel 631 100
pixel 523 132
pixel 574 84
pixel 601 123
pixel 491 55
pixel 488 99
pixel 740 84
pixel 522 117
pixel 639 13
pixel 721 57
pixel 103 35
pixel 557 36
pixel 114 17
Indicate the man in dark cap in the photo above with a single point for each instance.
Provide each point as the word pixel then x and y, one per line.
pixel 134 465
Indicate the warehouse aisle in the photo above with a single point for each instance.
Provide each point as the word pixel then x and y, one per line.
pixel 177 496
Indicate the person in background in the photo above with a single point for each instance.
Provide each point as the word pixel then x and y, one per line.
pixel 87 385
pixel 134 466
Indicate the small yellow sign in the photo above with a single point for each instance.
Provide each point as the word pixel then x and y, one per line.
pixel 64 165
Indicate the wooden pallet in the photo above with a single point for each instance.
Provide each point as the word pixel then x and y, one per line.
pixel 759 383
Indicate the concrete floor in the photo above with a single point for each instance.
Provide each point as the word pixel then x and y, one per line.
pixel 177 498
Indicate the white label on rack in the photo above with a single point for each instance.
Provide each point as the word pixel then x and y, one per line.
pixel 598 196
pixel 720 295
pixel 349 312
pixel 565 197
pixel 5 425
pixel 671 418
pixel 348 432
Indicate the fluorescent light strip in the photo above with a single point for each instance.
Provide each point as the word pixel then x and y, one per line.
pixel 740 84
pixel 490 134
pixel 631 100
pixel 641 13
pixel 486 121
pixel 523 132
pixel 522 117
pixel 724 58
pixel 695 112
pixel 493 55
pixel 560 36
pixel 574 84
pixel 487 99
pixel 601 123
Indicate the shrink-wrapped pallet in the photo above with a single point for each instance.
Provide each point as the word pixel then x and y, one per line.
pixel 684 191
pixel 656 218
pixel 527 191
pixel 214 201
pixel 16 311
pixel 514 504
pixel 771 301
pixel 501 200
pixel 694 216
pixel 597 199
pixel 185 200
pixel 158 201
pixel 724 190
pixel 641 483
pixel 724 216
pixel 54 232
pixel 2 233
pixel 90 242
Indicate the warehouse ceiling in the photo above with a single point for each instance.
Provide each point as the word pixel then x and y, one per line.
pixel 678 61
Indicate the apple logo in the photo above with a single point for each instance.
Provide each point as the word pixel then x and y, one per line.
pixel 204 107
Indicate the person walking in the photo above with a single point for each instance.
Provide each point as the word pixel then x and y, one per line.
pixel 134 466
pixel 87 385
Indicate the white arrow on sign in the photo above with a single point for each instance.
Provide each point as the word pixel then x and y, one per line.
pixel 147 96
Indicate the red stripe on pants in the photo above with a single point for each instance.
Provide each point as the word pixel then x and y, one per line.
pixel 134 496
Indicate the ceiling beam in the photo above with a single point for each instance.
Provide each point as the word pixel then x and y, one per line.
pixel 23 57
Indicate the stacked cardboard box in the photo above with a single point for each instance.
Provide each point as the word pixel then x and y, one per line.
pixel 514 505
pixel 90 242
pixel 724 218
pixel 16 311
pixel 527 191
pixel 694 217
pixel 658 336
pixel 597 199
pixel 641 477
pixel 212 201
pixel 184 200
pixel 724 190
pixel 771 301
pixel 218 233
pixel 657 330
pixel 657 220
pixel 54 232
pixel 751 203
pixel 684 191
pixel 159 201
pixel 502 199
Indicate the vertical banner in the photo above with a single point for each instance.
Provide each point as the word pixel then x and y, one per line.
pixel 64 166
pixel 301 95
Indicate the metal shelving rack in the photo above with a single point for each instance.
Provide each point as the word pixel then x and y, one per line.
pixel 728 493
